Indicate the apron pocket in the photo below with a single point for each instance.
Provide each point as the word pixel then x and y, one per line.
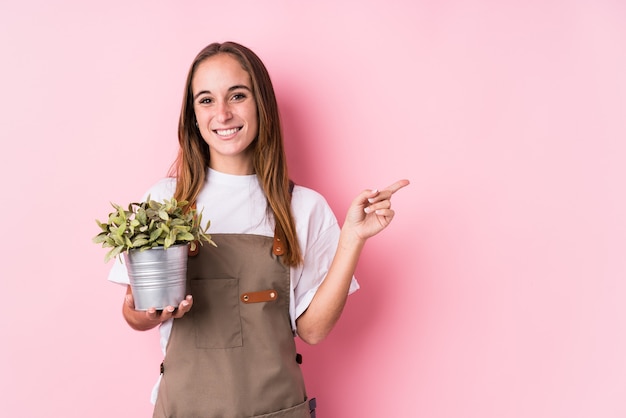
pixel 216 312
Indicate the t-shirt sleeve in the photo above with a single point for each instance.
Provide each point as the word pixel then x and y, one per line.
pixel 118 273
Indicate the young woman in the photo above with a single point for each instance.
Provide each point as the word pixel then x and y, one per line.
pixel 282 265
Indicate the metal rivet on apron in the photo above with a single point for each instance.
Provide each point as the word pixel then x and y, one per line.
pixel 246 298
pixel 272 295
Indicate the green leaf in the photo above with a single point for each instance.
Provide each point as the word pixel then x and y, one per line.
pixel 139 242
pixel 155 234
pixel 177 222
pixel 118 240
pixel 142 217
pixel 100 238
pixel 170 239
pixel 113 253
pixel 185 236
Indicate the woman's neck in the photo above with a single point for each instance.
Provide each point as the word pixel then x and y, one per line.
pixel 233 166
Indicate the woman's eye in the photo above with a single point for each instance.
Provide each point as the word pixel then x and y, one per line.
pixel 239 96
pixel 205 100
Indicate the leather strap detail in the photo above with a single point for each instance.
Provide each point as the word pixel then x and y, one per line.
pixel 262 296
pixel 278 246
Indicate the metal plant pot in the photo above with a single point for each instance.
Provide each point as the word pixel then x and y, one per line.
pixel 158 277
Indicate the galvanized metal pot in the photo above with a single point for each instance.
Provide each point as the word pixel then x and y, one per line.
pixel 158 277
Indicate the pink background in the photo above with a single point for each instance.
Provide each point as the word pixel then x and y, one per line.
pixel 499 289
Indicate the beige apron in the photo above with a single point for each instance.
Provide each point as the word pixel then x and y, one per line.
pixel 233 354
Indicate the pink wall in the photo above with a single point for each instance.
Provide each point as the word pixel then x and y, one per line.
pixel 499 289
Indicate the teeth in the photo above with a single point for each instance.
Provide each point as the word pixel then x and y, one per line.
pixel 226 132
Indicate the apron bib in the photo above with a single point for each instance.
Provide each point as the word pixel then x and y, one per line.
pixel 233 354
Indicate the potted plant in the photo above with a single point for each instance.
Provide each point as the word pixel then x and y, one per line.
pixel 154 239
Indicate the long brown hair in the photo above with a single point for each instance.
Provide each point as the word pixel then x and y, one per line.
pixel 270 163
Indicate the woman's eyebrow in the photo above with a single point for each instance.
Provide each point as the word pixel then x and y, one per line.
pixel 236 87
pixel 239 86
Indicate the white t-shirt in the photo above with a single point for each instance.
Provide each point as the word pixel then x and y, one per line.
pixel 236 204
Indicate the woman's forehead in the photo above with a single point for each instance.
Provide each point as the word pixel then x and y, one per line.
pixel 221 70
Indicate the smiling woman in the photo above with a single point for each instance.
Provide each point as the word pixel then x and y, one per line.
pixel 282 265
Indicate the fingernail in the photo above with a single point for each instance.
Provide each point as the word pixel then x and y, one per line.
pixel 367 210
pixel 371 199
pixel 185 303
pixel 170 309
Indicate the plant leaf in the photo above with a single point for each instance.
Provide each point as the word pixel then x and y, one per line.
pixel 114 253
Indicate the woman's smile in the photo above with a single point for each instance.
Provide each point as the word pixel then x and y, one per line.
pixel 227 132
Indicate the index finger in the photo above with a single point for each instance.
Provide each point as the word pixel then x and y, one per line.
pixel 397 185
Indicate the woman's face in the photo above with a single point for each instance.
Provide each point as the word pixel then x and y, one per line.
pixel 226 113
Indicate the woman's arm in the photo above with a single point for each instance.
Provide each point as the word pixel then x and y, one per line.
pixel 368 214
pixel 145 320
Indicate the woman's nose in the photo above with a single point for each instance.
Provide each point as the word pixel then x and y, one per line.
pixel 223 112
